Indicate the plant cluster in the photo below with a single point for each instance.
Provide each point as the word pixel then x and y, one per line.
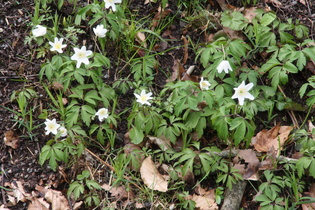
pixel 85 106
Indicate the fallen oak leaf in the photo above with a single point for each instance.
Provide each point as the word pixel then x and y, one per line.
pixel 161 14
pixel 11 140
pixel 151 177
pixel 205 200
pixel 265 139
pixel 56 198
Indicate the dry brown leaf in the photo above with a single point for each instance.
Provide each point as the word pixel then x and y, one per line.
pixel 18 191
pixel 253 163
pixel 160 15
pixel 38 204
pixel 185 49
pixel 274 2
pixel 178 71
pixel 140 37
pixel 118 192
pixel 151 177
pixel 56 198
pixel 11 140
pixel 266 139
pixel 310 126
pixel 205 200
pixel 162 142
pixel 311 193
pixel 302 2
pixel 250 13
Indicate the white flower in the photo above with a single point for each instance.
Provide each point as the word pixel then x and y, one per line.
pixel 143 97
pixel 100 31
pixel 241 92
pixel 80 55
pixel 51 126
pixel 39 31
pixel 111 3
pixel 102 114
pixel 224 65
pixel 57 45
pixel 63 131
pixel 204 84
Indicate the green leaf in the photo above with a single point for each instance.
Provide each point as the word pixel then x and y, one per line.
pixel 136 135
pixel 310 52
pixel 92 97
pixel 268 18
pixel 303 89
pixel 288 66
pixel 92 184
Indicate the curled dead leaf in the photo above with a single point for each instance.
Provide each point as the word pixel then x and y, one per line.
pixel 151 177
pixel 266 139
pixel 118 192
pixel 56 198
pixel 11 140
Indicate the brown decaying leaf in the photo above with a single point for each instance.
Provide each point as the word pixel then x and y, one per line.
pixel 311 193
pixel 56 198
pixel 38 204
pixel 151 177
pixel 250 13
pixel 160 15
pixel 178 71
pixel 18 192
pixel 118 192
pixel 253 163
pixel 266 139
pixel 11 140
pixel 162 142
pixel 140 37
pixel 185 49
pixel 205 200
pixel 274 2
pixel 303 2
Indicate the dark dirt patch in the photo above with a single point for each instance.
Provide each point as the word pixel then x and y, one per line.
pixel 18 68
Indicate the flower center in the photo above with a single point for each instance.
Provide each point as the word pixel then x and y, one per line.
pixel 143 98
pixel 203 84
pixel 51 126
pixel 242 91
pixel 103 112
pixel 81 55
pixel 58 46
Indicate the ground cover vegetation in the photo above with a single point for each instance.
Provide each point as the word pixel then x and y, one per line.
pixel 135 113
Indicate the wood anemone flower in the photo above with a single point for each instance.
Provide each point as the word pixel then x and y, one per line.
pixel 111 3
pixel 39 31
pixel 224 66
pixel 57 45
pixel 100 31
pixel 51 126
pixel 143 98
pixel 204 84
pixel 241 92
pixel 102 114
pixel 81 56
